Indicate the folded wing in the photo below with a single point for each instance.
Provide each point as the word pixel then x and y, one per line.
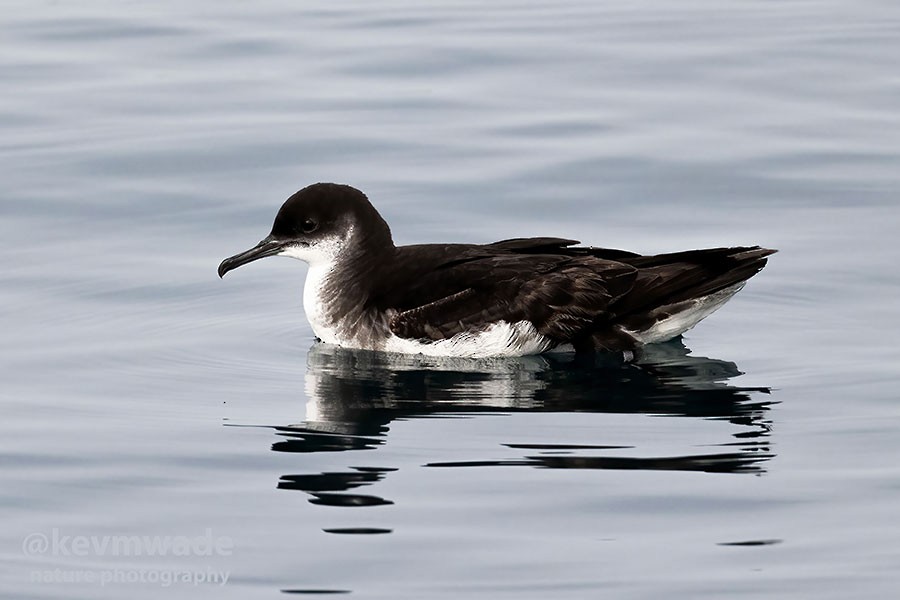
pixel 560 295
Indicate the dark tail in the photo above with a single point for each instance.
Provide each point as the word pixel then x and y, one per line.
pixel 669 278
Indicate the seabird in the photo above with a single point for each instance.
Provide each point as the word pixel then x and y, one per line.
pixel 511 298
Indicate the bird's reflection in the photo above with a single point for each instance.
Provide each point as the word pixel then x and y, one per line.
pixel 353 396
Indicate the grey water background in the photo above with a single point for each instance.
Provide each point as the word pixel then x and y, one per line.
pixel 142 396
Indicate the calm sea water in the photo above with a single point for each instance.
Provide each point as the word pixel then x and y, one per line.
pixel 163 429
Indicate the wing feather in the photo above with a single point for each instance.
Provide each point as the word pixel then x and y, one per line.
pixel 560 295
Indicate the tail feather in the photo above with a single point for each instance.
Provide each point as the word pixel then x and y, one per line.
pixel 673 292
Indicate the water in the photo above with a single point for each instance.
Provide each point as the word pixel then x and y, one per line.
pixel 146 400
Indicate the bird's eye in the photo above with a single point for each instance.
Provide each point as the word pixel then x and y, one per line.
pixel 308 226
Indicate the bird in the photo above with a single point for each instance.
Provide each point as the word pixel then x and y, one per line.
pixel 513 297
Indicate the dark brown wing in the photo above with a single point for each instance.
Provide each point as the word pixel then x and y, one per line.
pixel 560 295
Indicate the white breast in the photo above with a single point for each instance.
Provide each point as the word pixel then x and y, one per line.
pixel 321 258
pixel 314 306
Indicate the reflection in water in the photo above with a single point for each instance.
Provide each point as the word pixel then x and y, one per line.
pixel 734 462
pixel 354 395
pixel 323 485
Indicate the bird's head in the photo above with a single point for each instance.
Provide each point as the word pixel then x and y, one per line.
pixel 317 225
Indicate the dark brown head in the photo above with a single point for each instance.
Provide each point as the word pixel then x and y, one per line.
pixel 322 223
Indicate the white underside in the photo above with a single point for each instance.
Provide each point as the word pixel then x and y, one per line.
pixel 504 339
pixel 499 339
pixel 696 311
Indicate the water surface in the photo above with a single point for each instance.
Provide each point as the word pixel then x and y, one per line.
pixel 144 397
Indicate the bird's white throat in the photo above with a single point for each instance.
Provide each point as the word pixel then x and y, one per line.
pixel 322 257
